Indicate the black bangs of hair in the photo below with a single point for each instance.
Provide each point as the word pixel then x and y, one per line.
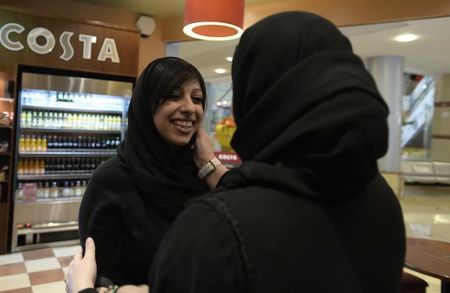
pixel 167 74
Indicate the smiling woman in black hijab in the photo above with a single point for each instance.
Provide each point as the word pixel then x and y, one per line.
pixel 307 211
pixel 132 199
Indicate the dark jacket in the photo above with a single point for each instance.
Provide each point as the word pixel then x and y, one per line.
pixel 307 211
pixel 126 230
pixel 258 237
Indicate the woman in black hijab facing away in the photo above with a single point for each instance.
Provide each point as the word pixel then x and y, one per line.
pixel 132 199
pixel 307 211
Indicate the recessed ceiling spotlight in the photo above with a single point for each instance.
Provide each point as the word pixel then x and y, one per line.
pixel 229 58
pixel 220 70
pixel 406 38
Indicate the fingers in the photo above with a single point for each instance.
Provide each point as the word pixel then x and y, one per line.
pixel 90 248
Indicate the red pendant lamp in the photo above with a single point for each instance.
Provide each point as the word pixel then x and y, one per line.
pixel 214 20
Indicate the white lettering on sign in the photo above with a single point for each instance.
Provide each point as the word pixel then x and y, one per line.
pixel 41 32
pixel 8 39
pixel 64 40
pixel 87 44
pixel 4 36
pixel 109 50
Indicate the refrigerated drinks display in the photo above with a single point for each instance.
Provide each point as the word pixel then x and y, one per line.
pixel 68 125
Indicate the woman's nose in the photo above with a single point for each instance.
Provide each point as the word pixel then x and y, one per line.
pixel 187 104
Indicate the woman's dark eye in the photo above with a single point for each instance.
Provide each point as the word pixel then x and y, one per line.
pixel 173 96
pixel 197 100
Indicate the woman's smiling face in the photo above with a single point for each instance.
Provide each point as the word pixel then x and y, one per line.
pixel 180 115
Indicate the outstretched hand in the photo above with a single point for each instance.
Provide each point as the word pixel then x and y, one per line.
pixel 82 270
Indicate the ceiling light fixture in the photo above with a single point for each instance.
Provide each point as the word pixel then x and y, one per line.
pixel 406 38
pixel 220 70
pixel 214 20
pixel 229 58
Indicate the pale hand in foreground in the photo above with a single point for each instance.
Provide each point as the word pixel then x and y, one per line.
pixel 82 270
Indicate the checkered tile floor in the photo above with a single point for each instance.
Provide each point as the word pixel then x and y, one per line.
pixel 37 271
pixel 43 271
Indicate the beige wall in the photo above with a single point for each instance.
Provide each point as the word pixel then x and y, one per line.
pixel 151 47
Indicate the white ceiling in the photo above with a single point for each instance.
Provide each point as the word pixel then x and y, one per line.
pixel 429 54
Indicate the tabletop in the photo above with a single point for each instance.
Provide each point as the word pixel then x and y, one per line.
pixel 430 257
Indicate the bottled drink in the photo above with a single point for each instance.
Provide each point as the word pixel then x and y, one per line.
pixel 83 187
pixel 46 193
pixel 71 188
pixel 44 143
pixel 83 142
pixel 19 192
pixel 56 143
pixel 34 121
pixel 92 142
pixel 20 170
pixel 22 143
pixel 42 166
pixel 58 165
pixel 83 165
pixel 76 165
pixel 40 190
pixel 64 120
pixel 103 143
pixel 33 143
pixel 39 143
pixel 51 120
pixel 66 191
pixel 70 120
pixel 78 189
pixel 36 166
pixel 26 167
pixel 59 120
pixel 50 144
pixel 23 119
pixel 54 190
pixel 29 118
pixel 92 164
pixel 46 119
pixel 69 165
pixel 40 120
pixel 98 143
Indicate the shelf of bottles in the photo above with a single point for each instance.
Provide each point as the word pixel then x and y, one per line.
pixel 63 138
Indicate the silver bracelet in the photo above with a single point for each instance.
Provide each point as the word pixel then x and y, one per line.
pixel 208 168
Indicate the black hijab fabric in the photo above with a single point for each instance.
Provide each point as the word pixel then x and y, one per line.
pixel 165 175
pixel 305 106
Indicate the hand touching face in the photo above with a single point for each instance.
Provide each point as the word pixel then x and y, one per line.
pixel 203 150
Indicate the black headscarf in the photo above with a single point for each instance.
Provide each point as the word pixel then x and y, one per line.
pixel 165 175
pixel 305 107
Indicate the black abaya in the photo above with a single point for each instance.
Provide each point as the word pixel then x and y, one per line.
pixel 132 199
pixel 308 210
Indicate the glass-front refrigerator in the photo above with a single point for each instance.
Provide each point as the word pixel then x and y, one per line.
pixel 68 123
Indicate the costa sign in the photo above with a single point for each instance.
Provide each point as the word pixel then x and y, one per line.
pixel 9 39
